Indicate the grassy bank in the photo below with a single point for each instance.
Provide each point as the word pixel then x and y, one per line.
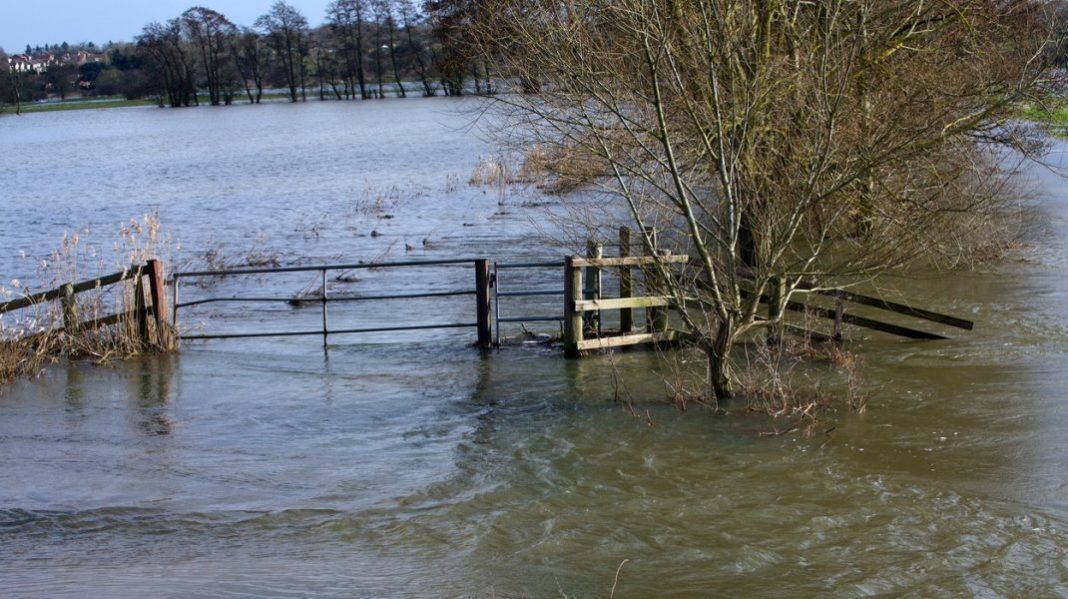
pixel 1053 115
pixel 80 104
pixel 97 104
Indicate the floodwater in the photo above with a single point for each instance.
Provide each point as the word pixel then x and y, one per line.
pixel 411 465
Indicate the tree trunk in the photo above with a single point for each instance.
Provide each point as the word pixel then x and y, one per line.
pixel 719 381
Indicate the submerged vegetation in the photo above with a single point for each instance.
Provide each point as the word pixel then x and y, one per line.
pixel 83 327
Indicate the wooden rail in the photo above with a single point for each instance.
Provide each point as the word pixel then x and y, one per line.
pixel 155 306
pixel 583 303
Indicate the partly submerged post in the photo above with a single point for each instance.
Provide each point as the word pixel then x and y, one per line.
pixel 326 328
pixel 141 308
pixel 592 320
pixel 572 317
pixel 839 314
pixel 656 318
pixel 159 301
pixel 626 283
pixel 70 310
pixel 482 295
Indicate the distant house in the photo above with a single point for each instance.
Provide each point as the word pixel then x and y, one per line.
pixel 25 63
pixel 39 63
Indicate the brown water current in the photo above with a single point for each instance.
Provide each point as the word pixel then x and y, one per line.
pixel 412 465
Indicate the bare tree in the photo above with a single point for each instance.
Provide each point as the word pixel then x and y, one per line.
pixel 173 65
pixel 384 10
pixel 409 19
pixel 286 30
pixel 782 143
pixel 7 83
pixel 211 34
pixel 378 43
pixel 252 60
pixel 453 22
pixel 346 20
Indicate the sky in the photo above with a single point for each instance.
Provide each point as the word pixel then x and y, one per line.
pixel 40 22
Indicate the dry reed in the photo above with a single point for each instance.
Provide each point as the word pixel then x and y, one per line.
pixel 36 336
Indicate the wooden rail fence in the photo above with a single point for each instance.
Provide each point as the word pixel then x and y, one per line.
pixel 154 307
pixel 584 303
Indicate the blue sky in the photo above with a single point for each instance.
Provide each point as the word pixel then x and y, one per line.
pixel 40 22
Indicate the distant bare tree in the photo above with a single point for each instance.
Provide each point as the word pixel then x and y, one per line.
pixel 7 87
pixel 409 18
pixel 252 59
pixel 172 64
pixel 286 30
pixel 211 34
pixel 346 20
pixel 386 20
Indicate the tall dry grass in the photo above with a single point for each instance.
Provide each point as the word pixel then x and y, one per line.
pixel 33 337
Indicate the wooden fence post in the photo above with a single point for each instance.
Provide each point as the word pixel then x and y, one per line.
pixel 656 318
pixel 141 308
pixel 839 314
pixel 157 290
pixel 592 320
pixel 70 310
pixel 626 283
pixel 572 317
pixel 482 293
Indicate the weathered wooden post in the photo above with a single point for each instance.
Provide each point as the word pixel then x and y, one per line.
pixel 482 295
pixel 626 283
pixel 157 290
pixel 326 328
pixel 592 320
pixel 656 318
pixel 141 308
pixel 70 310
pixel 572 317
pixel 776 293
pixel 839 313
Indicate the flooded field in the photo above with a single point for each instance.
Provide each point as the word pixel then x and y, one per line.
pixel 412 465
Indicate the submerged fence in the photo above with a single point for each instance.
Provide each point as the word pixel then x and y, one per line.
pixel 480 291
pixel 155 306
pixel 582 320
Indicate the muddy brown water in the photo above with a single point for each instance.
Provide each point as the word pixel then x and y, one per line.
pixel 413 466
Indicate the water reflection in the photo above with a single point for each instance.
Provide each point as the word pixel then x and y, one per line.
pixel 150 400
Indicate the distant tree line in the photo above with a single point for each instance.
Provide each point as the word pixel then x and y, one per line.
pixel 364 49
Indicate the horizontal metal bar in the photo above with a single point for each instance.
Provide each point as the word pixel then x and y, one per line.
pixel 364 298
pixel 215 300
pixel 532 319
pixel 284 269
pixel 556 264
pixel 529 293
pixel 319 332
pixel 319 300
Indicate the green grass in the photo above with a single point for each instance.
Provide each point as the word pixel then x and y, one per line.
pixel 79 104
pixel 1053 115
pixel 95 104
